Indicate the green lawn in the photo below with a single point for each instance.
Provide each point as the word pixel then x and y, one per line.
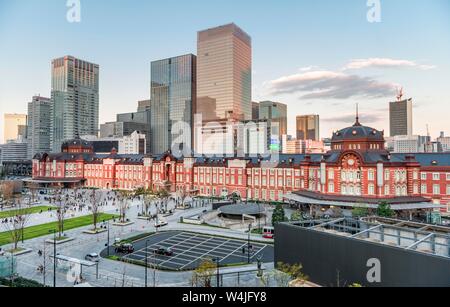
pixel 45 229
pixel 32 210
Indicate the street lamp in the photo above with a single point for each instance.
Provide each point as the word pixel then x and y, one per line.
pixel 54 256
pixel 146 263
pixel 217 261
pixel 107 244
pixel 248 242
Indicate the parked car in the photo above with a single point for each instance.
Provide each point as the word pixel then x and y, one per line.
pixel 163 251
pixel 161 223
pixel 125 248
pixel 93 257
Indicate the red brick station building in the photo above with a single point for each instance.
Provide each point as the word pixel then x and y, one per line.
pixel 357 170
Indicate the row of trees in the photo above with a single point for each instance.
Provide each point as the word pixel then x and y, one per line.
pixel 383 210
pixel 204 275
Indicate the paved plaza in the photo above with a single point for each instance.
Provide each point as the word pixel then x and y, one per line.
pixel 190 249
pixel 190 243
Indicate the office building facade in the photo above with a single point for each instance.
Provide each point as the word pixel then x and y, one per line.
pixel 308 127
pixel 75 100
pixel 224 72
pixel 39 123
pixel 276 113
pixel 13 124
pixel 400 117
pixel 173 96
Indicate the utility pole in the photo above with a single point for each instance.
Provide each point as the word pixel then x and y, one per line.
pixel 154 270
pixel 217 260
pixel 248 243
pixel 54 257
pixel 45 261
pixel 146 262
pixel 107 244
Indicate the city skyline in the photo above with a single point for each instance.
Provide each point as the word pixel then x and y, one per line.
pixel 364 66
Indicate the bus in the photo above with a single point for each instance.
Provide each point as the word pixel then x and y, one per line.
pixel 268 232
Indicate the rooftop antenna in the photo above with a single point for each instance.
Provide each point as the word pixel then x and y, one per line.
pixel 357 123
pixel 428 143
pixel 399 94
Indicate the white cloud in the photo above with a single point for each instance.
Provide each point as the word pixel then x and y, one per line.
pixel 328 84
pixel 385 63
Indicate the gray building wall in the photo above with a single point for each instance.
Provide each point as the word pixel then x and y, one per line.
pixel 75 100
pixel 39 122
pixel 400 117
pixel 329 258
pixel 173 96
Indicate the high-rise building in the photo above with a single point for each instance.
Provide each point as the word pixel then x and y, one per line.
pixel 121 129
pixel 407 143
pixel 75 100
pixel 144 105
pixel 173 96
pixel 295 147
pixel 444 141
pixel 13 124
pixel 308 127
pixel 133 144
pixel 224 72
pixel 276 112
pixel 400 116
pixel 255 110
pixel 15 150
pixel 39 121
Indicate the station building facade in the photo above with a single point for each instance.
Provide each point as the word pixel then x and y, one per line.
pixel 357 169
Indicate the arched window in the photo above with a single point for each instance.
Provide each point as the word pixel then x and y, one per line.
pixel 344 190
pixel 351 190
pixel 404 191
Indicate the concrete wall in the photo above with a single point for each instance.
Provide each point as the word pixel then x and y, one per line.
pixel 327 258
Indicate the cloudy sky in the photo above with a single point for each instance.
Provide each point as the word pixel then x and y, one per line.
pixel 318 57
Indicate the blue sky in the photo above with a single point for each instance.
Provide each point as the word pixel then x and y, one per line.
pixel 304 52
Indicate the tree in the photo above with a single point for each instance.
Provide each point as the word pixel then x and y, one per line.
pixel 123 205
pixel 384 210
pixel 287 272
pixel 147 202
pixel 360 212
pixel 95 207
pixel 16 226
pixel 7 190
pixel 60 213
pixel 202 276
pixel 278 215
pixel 183 194
pixel 33 187
pixel 296 216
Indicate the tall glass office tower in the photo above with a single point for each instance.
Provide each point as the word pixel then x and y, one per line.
pixel 173 96
pixel 39 123
pixel 224 73
pixel 75 100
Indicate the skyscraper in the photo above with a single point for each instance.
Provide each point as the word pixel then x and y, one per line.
pixel 224 72
pixel 144 105
pixel 308 127
pixel 13 124
pixel 276 114
pixel 255 110
pixel 75 100
pixel 400 117
pixel 38 125
pixel 173 96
